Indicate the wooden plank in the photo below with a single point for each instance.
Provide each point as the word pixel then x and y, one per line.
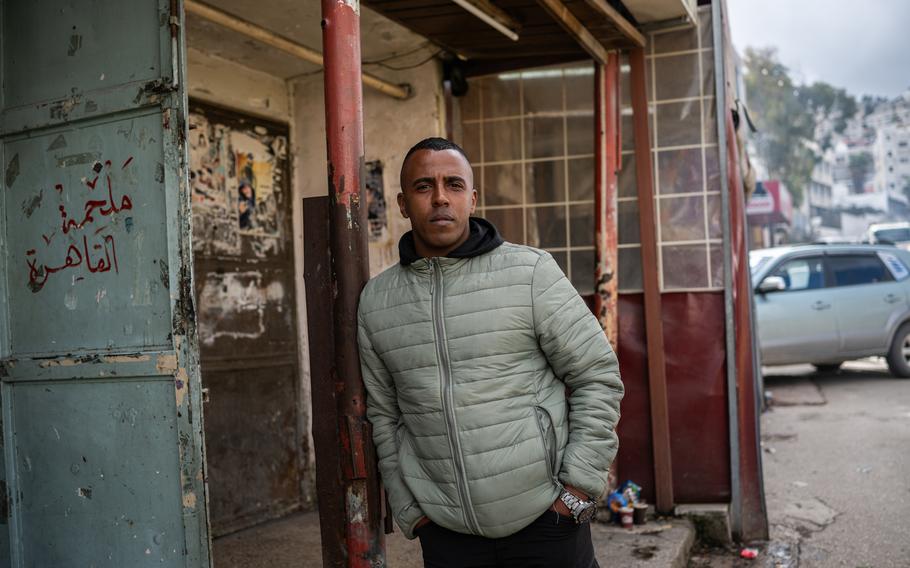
pixel 657 379
pixel 561 13
pixel 623 25
pixel 496 13
pixel 317 275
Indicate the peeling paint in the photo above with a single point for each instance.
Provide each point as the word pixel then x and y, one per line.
pixel 62 109
pixel 65 362
pixel 79 159
pixel 74 45
pixel 189 500
pixel 134 358
pixel 58 143
pixel 236 304
pixel 29 205
pixel 166 363
pixel 180 386
pixel 12 171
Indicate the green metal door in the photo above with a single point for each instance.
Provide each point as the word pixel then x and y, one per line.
pixel 101 408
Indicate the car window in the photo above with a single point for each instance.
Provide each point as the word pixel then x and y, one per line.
pixel 896 266
pixel 802 273
pixel 893 235
pixel 855 269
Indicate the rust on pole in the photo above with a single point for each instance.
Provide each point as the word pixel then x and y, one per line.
pixel 364 539
pixel 606 151
pixel 657 379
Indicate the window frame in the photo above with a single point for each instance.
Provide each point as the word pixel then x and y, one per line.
pixel 805 257
pixel 829 268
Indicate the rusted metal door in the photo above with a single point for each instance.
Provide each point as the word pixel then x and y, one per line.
pixel 101 406
pixel 247 316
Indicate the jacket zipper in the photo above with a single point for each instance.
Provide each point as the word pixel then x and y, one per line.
pixel 448 398
pixel 549 446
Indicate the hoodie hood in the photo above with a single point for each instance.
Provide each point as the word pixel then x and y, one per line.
pixel 483 238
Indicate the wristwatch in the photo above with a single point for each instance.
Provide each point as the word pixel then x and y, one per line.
pixel 582 511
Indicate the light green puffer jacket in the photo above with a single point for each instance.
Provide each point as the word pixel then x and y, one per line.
pixel 466 363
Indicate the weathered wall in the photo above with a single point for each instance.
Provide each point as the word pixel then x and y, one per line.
pixel 225 83
pixel 220 82
pixel 391 127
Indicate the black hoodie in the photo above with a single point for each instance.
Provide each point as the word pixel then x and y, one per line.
pixel 483 238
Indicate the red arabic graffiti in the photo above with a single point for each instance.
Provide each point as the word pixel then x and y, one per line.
pixel 95 256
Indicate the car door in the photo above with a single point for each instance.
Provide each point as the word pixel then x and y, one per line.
pixel 99 379
pixel 867 299
pixel 797 324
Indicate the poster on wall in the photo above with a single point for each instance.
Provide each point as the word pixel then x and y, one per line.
pixel 236 176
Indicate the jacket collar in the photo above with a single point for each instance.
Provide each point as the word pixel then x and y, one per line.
pixel 482 239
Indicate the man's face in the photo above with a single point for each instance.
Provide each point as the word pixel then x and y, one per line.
pixel 437 195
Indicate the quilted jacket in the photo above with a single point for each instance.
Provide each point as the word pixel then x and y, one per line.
pixel 468 363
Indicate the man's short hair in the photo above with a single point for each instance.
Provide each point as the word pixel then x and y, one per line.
pixel 435 144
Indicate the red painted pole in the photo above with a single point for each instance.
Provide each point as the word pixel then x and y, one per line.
pixel 364 540
pixel 606 152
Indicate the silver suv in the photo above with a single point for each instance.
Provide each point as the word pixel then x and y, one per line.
pixel 826 304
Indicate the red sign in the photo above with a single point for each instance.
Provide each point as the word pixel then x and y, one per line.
pixel 770 203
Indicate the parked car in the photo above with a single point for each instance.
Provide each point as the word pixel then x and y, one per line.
pixel 826 304
pixel 889 234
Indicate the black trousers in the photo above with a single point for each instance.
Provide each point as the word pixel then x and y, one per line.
pixel 551 541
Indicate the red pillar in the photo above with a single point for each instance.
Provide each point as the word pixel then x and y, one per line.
pixel 364 541
pixel 606 155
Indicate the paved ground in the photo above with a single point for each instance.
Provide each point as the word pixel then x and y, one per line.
pixel 294 542
pixel 837 469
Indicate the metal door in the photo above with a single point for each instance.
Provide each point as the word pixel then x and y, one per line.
pixel 247 316
pixel 102 446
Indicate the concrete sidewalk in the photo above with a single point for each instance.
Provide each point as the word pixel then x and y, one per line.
pixel 294 542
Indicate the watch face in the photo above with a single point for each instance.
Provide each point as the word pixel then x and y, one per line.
pixel 587 514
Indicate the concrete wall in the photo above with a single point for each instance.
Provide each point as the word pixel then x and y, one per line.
pixel 227 84
pixel 391 126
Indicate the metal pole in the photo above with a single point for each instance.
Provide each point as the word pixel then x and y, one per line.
pixel 606 100
pixel 720 92
pixel 657 377
pixel 348 241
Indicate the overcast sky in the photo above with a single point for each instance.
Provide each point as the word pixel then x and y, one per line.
pixel 861 46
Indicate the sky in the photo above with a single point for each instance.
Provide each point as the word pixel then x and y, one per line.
pixel 862 46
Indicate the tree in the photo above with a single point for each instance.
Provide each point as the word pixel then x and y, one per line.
pixel 784 125
pixel 827 101
pixel 787 116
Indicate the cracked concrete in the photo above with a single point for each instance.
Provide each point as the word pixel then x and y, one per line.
pixel 836 452
pixel 835 462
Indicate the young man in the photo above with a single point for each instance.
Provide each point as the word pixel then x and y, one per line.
pixel 492 391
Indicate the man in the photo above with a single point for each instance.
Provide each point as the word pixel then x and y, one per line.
pixel 492 391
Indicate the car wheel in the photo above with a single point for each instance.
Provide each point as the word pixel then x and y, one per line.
pixel 826 367
pixel 899 354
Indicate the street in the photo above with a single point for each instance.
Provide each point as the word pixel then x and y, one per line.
pixel 836 456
